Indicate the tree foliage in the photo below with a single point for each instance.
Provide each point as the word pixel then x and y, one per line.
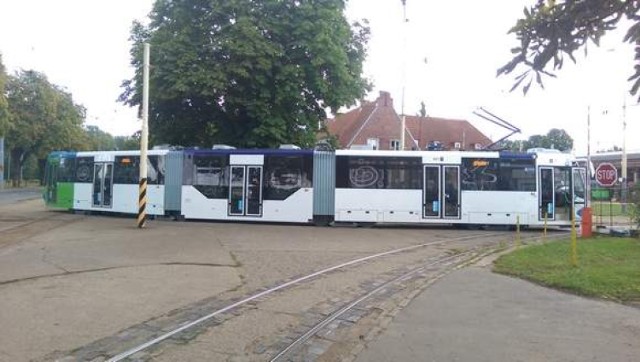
pixel 557 139
pixel 247 73
pixel 43 117
pixel 99 140
pixel 4 106
pixel 123 143
pixel 552 30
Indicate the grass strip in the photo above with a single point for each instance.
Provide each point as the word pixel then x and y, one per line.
pixel 609 209
pixel 607 268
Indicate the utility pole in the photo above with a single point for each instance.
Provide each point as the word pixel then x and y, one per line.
pixel 404 71
pixel 144 138
pixel 588 188
pixel 1 162
pixel 624 157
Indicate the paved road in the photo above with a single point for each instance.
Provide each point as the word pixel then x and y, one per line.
pixel 11 196
pixel 68 280
pixel 72 281
pixel 476 315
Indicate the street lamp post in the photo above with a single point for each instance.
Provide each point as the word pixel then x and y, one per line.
pixel 624 157
pixel 588 188
pixel 404 66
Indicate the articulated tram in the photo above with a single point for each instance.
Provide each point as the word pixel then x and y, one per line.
pixel 321 187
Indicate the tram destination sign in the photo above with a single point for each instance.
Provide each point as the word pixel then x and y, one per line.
pixel 606 174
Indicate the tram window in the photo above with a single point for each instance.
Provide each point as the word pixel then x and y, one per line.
pixel 379 172
pixel 211 176
pixel 66 170
pixel 84 170
pixel 562 185
pixel 517 175
pixel 155 170
pixel 498 174
pixel 284 175
pixel 127 170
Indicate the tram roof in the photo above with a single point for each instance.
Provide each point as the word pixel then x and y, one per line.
pixel 249 151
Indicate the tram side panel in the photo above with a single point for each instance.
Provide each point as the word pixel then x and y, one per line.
pixel 108 182
pixel 499 208
pixel 499 191
pixel 269 186
pixel 372 188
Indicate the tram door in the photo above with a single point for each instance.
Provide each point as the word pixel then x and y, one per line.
pixel 51 178
pixel 562 192
pixel 245 191
pixel 579 190
pixel 102 184
pixel 547 194
pixel 441 192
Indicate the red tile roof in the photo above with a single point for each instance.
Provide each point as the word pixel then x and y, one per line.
pixel 380 121
pixel 446 131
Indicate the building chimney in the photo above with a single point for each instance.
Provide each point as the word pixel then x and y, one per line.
pixel 385 99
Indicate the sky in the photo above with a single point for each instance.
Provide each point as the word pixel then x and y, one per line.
pixel 446 55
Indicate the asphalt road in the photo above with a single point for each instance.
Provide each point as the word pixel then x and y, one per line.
pixel 11 196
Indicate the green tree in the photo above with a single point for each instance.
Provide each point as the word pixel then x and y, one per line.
pixel 515 145
pixel 551 30
pixel 247 73
pixel 99 140
pixel 43 118
pixel 4 107
pixel 615 148
pixel 127 142
pixel 557 139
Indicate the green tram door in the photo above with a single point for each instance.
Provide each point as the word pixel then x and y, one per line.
pixel 58 180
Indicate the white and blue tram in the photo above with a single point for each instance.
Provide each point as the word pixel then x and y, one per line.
pixel 305 186
pixel 268 185
pixel 486 188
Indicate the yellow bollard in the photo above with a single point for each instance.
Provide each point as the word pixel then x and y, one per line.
pixel 517 231
pixel 574 243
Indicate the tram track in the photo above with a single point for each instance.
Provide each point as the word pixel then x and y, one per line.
pixel 233 307
pixel 296 344
pixel 421 276
pixel 327 333
pixel 27 227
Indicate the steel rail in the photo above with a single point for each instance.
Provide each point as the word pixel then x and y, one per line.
pixel 143 346
pixel 349 306
pixel 364 297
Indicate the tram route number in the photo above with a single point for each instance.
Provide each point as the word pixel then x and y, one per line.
pixel 606 174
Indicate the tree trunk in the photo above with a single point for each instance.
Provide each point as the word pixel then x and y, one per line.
pixel 17 156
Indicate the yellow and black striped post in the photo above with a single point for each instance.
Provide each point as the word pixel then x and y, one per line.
pixel 144 139
pixel 142 202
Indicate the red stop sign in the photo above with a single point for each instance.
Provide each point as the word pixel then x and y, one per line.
pixel 606 174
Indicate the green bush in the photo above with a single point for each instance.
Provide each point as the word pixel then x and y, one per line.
pixel 634 206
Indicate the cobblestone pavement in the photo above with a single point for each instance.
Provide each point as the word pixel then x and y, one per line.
pixel 89 287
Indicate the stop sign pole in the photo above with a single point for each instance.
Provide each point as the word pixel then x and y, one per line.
pixel 606 174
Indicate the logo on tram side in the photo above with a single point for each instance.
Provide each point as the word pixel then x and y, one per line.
pixel 606 174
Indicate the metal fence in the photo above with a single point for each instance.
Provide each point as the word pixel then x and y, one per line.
pixel 613 205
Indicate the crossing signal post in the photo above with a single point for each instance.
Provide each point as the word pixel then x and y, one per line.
pixel 144 137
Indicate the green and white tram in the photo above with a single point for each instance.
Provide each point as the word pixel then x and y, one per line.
pixel 107 181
